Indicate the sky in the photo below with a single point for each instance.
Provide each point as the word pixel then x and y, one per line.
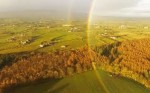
pixel 21 5
pixel 139 8
pixel 101 7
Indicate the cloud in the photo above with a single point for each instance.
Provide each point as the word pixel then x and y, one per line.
pixel 103 7
pixel 13 5
pixel 6 5
pixel 109 5
pixel 140 8
pixel 63 4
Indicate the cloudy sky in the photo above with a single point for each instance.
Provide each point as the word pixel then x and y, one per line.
pixel 123 7
pixel 101 7
pixel 19 5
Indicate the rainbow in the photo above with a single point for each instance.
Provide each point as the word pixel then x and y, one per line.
pixel 88 31
pixel 90 18
pixel 89 21
pixel 69 17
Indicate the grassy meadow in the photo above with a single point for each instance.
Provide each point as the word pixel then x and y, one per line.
pixel 14 33
pixel 90 82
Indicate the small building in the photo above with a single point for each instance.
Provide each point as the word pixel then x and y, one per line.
pixel 66 25
pixel 45 44
pixel 104 34
pixel 110 75
pixel 41 45
pixel 23 42
pixel 64 46
pixel 73 29
pixel 26 41
pixel 105 30
pixel 146 27
pixel 122 27
pixel 12 39
pixel 22 35
pixel 112 37
pixel 48 27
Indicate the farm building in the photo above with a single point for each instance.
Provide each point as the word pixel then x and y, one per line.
pixel 146 27
pixel 64 46
pixel 73 29
pixel 26 41
pixel 112 37
pixel 45 44
pixel 66 25
pixel 122 27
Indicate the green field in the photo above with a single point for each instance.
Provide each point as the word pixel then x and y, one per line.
pixel 15 31
pixel 89 82
pixel 110 31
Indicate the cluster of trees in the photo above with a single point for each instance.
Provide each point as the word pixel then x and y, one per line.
pixel 40 66
pixel 130 59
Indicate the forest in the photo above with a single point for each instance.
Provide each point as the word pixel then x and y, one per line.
pixel 36 67
pixel 128 58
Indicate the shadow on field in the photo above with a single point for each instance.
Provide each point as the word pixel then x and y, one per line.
pixel 59 89
pixel 46 86
pixel 58 38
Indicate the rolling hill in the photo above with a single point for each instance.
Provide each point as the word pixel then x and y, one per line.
pixel 96 81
